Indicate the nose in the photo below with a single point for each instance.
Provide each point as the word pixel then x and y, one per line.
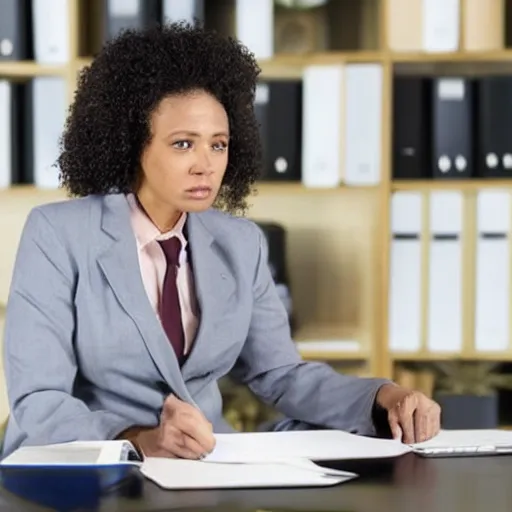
pixel 203 163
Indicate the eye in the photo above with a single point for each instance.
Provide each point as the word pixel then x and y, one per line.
pixel 220 146
pixel 182 144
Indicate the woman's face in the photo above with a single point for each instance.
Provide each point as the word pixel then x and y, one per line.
pixel 184 164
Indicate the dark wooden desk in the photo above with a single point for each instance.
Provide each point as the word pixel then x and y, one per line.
pixel 405 484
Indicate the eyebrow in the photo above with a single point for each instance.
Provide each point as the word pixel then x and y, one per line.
pixel 196 134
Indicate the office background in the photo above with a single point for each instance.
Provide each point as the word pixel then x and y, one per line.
pixel 386 193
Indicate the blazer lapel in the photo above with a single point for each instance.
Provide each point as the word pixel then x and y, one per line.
pixel 120 265
pixel 214 288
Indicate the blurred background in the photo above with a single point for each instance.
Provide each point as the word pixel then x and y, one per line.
pixel 386 189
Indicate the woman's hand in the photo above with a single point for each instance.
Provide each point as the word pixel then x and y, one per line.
pixel 412 416
pixel 184 433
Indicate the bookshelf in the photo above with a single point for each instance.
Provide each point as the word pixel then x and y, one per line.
pixel 338 238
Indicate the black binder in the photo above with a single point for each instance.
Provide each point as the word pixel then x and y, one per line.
pixel 16 42
pixel 26 112
pixel 412 130
pixel 275 235
pixel 494 115
pixel 16 117
pixel 147 14
pixel 278 109
pixel 453 128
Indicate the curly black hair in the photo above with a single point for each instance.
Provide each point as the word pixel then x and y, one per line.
pixel 107 127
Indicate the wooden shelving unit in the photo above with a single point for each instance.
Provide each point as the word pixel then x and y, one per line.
pixel 463 185
pixel 338 239
pixel 29 69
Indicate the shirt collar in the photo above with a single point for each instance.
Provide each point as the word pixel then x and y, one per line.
pixel 145 230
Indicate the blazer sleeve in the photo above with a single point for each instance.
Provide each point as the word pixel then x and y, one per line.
pixel 272 367
pixel 39 357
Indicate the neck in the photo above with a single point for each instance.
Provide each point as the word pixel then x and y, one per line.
pixel 163 216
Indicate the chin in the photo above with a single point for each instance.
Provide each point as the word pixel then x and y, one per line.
pixel 196 206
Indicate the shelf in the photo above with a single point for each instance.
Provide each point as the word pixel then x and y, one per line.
pixel 82 62
pixel 329 343
pixel 450 356
pixel 288 187
pixel 298 188
pixel 30 191
pixel 291 65
pixel 265 188
pixel 29 69
pixel 467 184
pixel 332 356
pixel 336 353
pixel 284 61
pixel 504 55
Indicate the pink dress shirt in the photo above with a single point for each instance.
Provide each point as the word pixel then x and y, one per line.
pixel 153 265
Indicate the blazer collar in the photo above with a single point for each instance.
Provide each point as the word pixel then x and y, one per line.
pixel 115 221
pixel 214 287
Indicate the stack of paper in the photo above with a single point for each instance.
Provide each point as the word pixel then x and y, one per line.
pixel 273 459
pixel 315 445
pixel 182 474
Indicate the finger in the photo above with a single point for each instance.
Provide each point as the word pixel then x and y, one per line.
pixel 183 452
pixel 394 426
pixel 174 442
pixel 405 411
pixel 153 446
pixel 194 447
pixel 422 422
pixel 198 429
pixel 434 421
pixel 171 404
pixel 190 420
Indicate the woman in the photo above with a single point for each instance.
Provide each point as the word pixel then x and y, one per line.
pixel 129 302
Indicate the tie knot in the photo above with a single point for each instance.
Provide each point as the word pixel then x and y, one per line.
pixel 171 248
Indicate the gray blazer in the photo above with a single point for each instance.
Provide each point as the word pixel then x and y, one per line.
pixel 86 356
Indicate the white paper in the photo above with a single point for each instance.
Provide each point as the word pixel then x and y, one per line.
pixel 315 445
pixel 318 445
pixel 188 474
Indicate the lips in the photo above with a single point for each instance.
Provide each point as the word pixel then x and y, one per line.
pixel 201 192
pixel 199 189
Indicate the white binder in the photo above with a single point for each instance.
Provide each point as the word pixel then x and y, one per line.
pixel 50 22
pixel 405 272
pixel 441 25
pixel 444 311
pixel 6 159
pixel 363 122
pixel 492 280
pixel 182 10
pixel 49 115
pixel 322 123
pixel 255 26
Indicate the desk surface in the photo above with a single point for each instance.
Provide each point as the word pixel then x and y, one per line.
pixel 405 484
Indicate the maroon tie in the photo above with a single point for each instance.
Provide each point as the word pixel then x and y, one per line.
pixel 170 311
